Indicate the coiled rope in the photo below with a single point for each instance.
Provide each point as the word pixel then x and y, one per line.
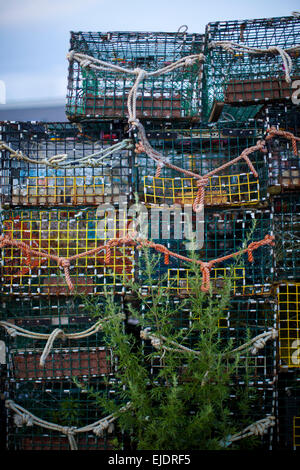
pixel 25 417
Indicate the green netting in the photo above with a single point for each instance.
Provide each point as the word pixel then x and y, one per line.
pixel 26 183
pixel 61 403
pixel 103 94
pixel 287 237
pixel 242 78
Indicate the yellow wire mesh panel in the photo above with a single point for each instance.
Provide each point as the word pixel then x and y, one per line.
pixel 56 190
pixel 64 233
pixel 238 189
pixel 296 429
pixel 289 324
pixel 181 281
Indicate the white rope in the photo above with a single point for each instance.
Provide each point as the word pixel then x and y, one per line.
pixel 233 47
pixel 258 342
pixel 23 416
pixel 14 330
pixel 259 428
pixel 60 160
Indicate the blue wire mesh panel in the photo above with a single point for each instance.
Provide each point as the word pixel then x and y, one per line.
pixel 287 237
pixel 62 403
pixel 103 94
pixel 202 150
pixel 224 232
pixel 27 183
pixel 288 410
pixel 242 78
pixel 64 233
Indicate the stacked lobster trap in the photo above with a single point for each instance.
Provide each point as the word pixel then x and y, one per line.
pixel 202 132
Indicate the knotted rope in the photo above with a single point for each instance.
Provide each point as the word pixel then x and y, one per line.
pixel 24 416
pixel 14 330
pixel 60 161
pixel 287 135
pixel 259 428
pixel 135 240
pixel 233 47
pixel 256 343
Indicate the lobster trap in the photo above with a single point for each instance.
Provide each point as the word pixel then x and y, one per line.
pixel 103 93
pixel 60 164
pixel 288 296
pixel 63 233
pixel 288 410
pixel 203 151
pixel 235 76
pixel 287 230
pixel 61 403
pixel 215 235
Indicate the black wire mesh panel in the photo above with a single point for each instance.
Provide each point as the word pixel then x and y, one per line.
pixel 288 410
pixel 27 183
pixel 288 302
pixel 95 94
pixel 219 233
pixel 202 150
pixel 65 232
pixel 287 237
pixel 241 78
pixel 62 403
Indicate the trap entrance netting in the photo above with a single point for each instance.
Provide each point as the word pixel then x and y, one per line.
pixel 59 164
pixel 103 93
pixel 65 233
pixel 238 77
pixel 201 151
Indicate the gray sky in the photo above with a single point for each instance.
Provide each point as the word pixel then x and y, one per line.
pixel 34 34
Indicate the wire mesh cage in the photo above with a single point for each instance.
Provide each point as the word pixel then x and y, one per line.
pixel 219 233
pixel 63 233
pixel 56 338
pixel 61 403
pixel 239 77
pixel 103 93
pixel 95 164
pixel 286 229
pixel 202 151
pixel 288 410
pixel 288 296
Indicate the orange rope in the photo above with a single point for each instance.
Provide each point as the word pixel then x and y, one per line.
pixel 65 263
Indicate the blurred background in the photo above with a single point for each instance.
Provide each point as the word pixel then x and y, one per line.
pixel 34 40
